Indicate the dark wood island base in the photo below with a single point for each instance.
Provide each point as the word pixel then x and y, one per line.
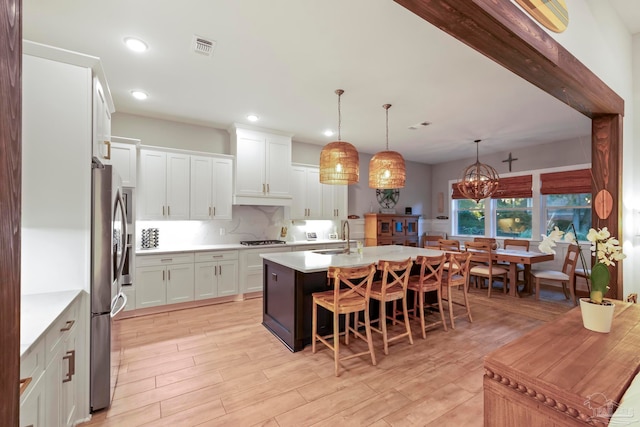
pixel 288 304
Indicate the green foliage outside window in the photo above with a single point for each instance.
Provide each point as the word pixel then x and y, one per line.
pixel 470 217
pixel 514 218
pixel 566 209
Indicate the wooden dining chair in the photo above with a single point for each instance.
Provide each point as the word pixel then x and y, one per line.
pixel 430 241
pixel 518 245
pixel 567 276
pixel 429 280
pixel 457 277
pixel 484 267
pixel 449 245
pixel 351 293
pixel 490 240
pixel 392 287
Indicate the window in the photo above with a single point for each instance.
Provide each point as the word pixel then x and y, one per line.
pixel 562 210
pixel 469 217
pixel 514 218
pixel 526 206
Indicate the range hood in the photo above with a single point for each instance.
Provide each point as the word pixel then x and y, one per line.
pixel 261 201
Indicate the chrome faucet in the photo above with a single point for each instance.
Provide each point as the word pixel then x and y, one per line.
pixel 345 225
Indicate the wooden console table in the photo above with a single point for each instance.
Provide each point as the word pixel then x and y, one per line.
pixel 562 374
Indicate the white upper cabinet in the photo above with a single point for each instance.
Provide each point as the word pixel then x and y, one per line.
pixel 101 123
pixel 164 185
pixel 124 158
pixel 334 201
pixel 263 167
pixel 211 196
pixel 307 193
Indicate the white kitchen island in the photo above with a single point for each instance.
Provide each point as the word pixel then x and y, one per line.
pixel 291 277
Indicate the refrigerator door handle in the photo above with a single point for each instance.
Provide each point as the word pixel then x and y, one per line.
pixel 115 311
pixel 123 212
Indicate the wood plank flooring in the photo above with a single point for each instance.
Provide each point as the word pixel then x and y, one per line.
pixel 218 366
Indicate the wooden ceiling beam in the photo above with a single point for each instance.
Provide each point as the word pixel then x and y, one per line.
pixel 501 31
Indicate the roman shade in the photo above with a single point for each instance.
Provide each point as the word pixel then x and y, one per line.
pixel 567 182
pixel 508 188
pixel 514 187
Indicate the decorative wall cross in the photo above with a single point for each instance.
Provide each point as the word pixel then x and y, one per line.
pixel 509 159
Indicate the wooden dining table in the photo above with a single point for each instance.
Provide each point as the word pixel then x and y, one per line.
pixel 515 257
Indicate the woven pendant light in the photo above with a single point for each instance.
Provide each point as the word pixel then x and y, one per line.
pixel 339 160
pixel 479 180
pixel 386 168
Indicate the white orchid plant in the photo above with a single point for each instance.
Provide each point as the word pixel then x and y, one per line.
pixel 604 247
pixel 607 251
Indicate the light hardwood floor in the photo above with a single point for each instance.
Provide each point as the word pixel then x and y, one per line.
pixel 217 365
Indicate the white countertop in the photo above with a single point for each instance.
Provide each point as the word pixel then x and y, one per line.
pixel 39 311
pixel 229 246
pixel 311 262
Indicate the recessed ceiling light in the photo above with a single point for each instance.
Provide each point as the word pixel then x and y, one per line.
pixel 328 132
pixel 253 118
pixel 136 45
pixel 138 94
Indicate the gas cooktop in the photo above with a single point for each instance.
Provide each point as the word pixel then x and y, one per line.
pixel 262 242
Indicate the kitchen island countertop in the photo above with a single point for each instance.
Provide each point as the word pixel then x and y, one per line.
pixel 312 261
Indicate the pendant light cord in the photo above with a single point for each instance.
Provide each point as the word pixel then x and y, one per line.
pixel 339 92
pixel 386 107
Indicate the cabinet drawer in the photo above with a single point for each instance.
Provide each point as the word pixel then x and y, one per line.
pixel 215 256
pixel 32 364
pixel 59 330
pixel 173 258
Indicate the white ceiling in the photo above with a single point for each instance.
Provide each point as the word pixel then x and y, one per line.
pixel 283 59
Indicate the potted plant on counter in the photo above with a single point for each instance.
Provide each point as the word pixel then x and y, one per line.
pixel 597 312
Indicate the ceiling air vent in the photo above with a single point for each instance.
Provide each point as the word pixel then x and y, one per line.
pixel 419 125
pixel 203 46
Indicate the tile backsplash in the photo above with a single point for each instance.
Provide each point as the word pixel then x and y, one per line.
pixel 248 223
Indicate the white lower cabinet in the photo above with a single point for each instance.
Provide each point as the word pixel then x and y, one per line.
pixel 216 274
pixel 52 397
pixel 164 279
pixel 251 268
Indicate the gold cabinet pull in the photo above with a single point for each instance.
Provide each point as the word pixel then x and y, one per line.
pixel 108 144
pixel 263 188
pixel 68 325
pixel 71 357
pixel 163 210
pixel 214 211
pixel 163 275
pixel 268 190
pixel 168 210
pixel 169 274
pixel 209 210
pixel 24 383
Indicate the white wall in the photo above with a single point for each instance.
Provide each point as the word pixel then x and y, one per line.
pixel 555 154
pixel 165 133
pixel 56 176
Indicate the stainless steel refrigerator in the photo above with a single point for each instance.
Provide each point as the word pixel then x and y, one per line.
pixel 108 244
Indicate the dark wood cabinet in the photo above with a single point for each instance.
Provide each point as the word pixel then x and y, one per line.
pixel 390 229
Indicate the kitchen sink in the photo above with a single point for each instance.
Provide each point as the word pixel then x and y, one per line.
pixel 330 251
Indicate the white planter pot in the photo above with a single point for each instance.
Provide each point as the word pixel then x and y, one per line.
pixel 596 317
